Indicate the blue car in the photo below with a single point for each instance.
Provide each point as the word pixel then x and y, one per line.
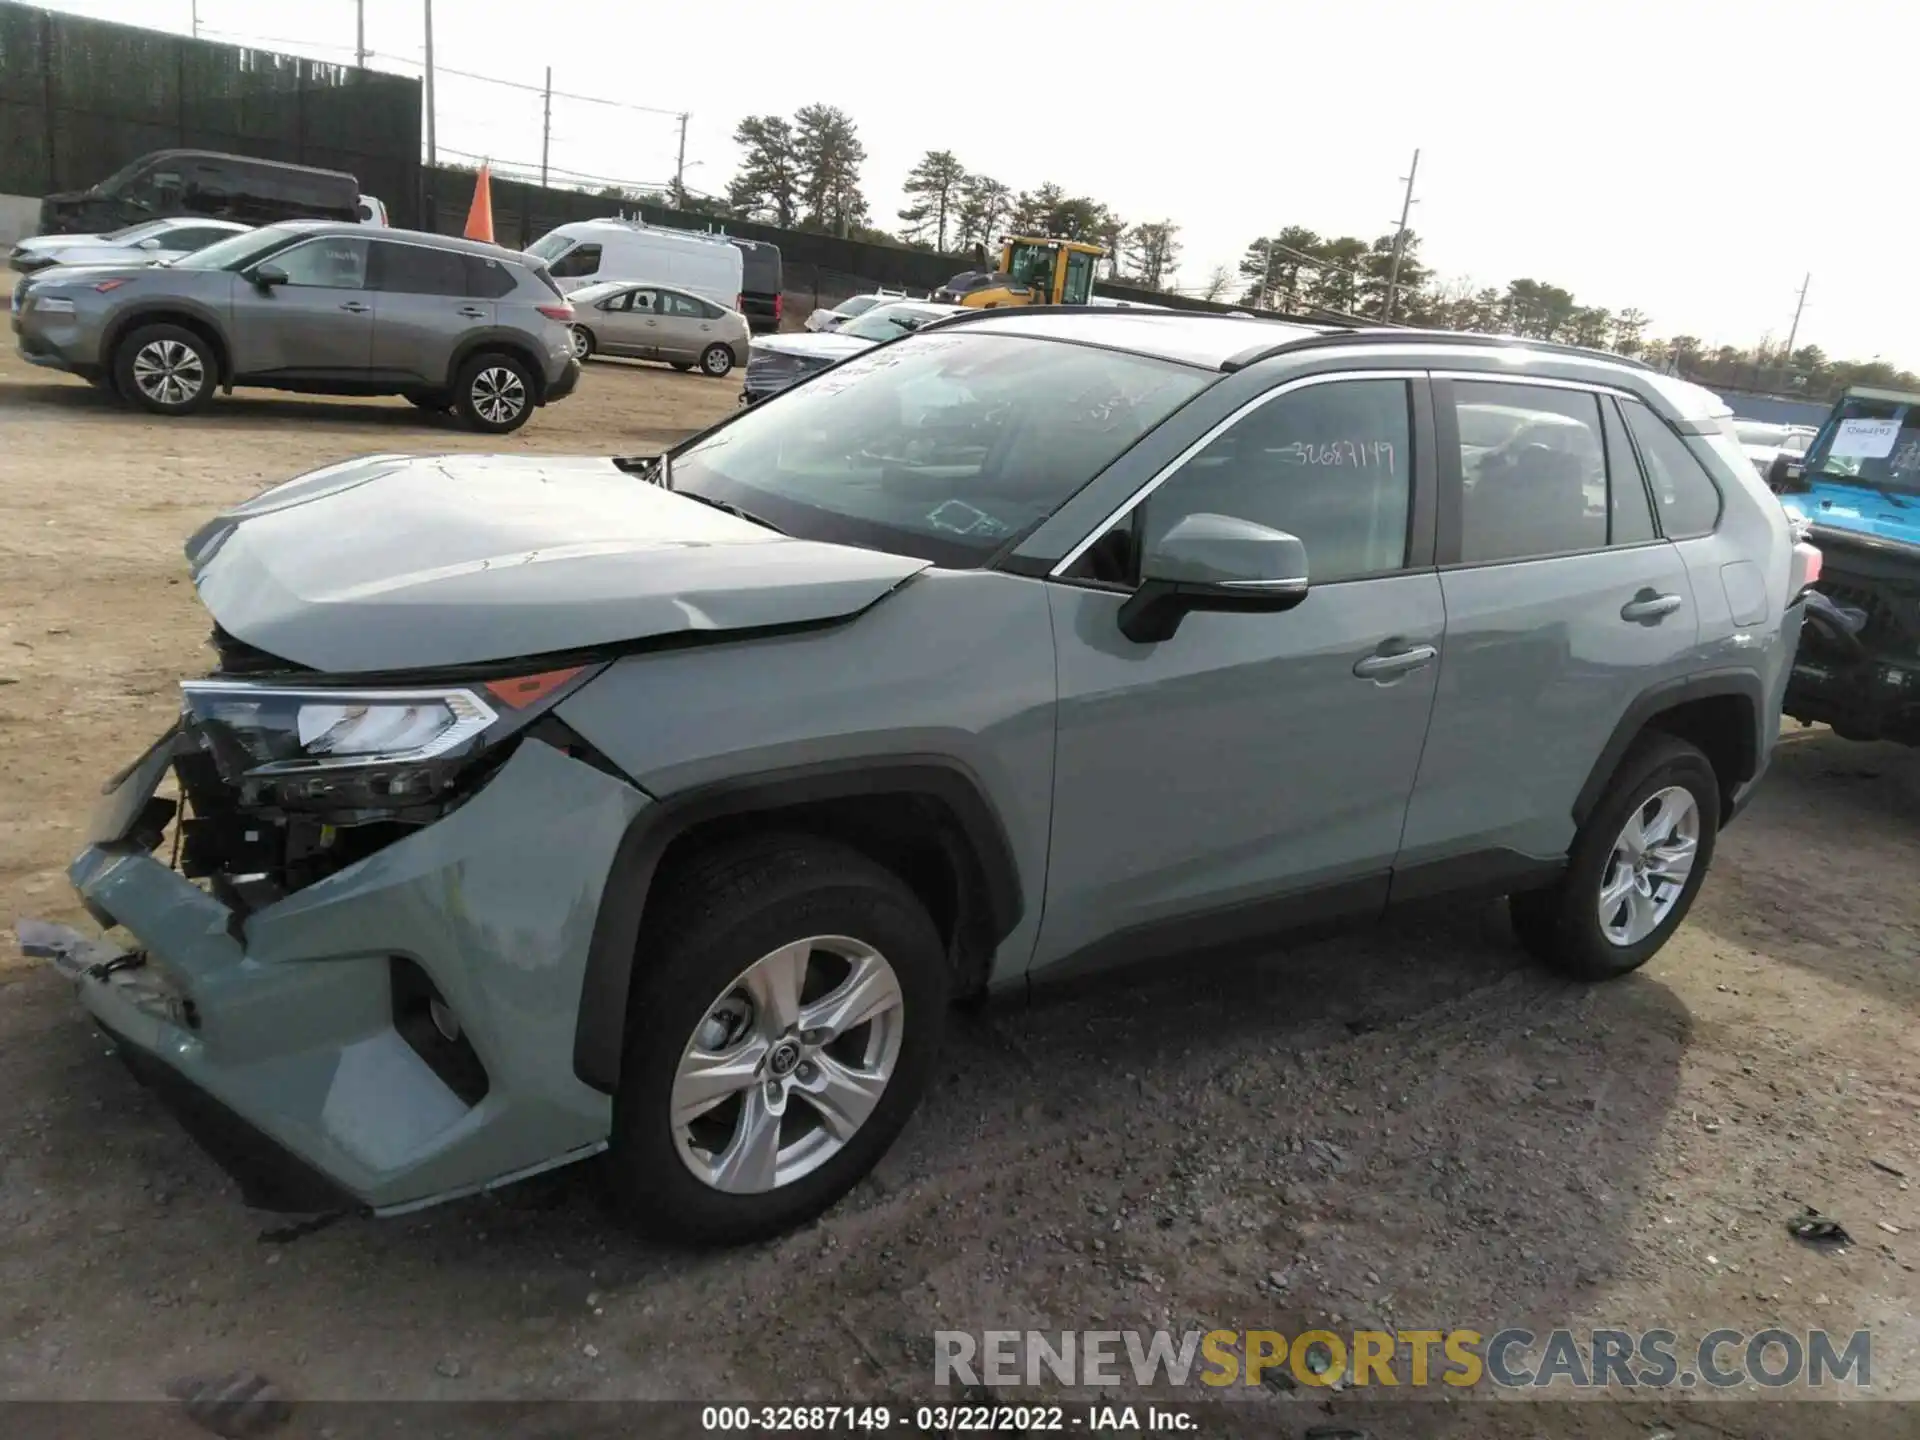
pixel 1858 487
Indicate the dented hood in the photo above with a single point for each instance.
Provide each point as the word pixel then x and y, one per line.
pixel 398 562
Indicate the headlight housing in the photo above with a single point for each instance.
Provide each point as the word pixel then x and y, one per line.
pixel 359 754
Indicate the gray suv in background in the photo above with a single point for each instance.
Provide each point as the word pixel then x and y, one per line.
pixel 319 307
pixel 1034 643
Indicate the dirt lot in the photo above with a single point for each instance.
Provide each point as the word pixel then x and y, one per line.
pixel 1408 1129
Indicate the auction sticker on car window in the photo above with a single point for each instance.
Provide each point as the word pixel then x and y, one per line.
pixel 1866 439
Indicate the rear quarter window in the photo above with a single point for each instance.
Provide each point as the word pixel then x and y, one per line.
pixel 1686 499
pixel 488 279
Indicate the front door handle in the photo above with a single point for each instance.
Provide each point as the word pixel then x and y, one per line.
pixel 1647 607
pixel 473 312
pixel 354 307
pixel 1386 667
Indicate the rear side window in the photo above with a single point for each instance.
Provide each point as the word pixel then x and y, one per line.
pixel 488 279
pixel 416 270
pixel 1685 497
pixel 1534 470
pixel 672 302
pixel 581 260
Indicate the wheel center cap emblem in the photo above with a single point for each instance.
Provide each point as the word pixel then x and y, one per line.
pixel 785 1056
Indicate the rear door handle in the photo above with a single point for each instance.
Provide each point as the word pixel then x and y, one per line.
pixel 1399 662
pixel 355 307
pixel 472 312
pixel 1648 606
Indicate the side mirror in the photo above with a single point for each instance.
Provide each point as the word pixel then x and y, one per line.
pixel 152 242
pixel 268 276
pixel 1214 562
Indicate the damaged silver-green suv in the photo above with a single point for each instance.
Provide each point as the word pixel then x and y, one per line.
pixel 540 807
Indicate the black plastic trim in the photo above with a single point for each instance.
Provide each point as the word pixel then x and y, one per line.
pixel 1479 874
pixel 1422 521
pixel 611 956
pixel 270 1176
pixel 1707 685
pixel 1448 523
pixel 1331 908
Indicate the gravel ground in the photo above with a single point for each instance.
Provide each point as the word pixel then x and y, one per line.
pixel 1411 1128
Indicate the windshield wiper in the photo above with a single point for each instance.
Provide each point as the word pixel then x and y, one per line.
pixel 729 507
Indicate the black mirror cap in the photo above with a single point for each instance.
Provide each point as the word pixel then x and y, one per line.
pixel 1154 611
pixel 267 276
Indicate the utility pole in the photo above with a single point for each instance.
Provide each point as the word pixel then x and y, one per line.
pixel 1266 284
pixel 1400 242
pixel 680 168
pixel 196 19
pixel 546 126
pixel 360 33
pixel 1795 331
pixel 431 154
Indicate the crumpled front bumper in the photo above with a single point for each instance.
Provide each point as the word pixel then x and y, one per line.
pixel 283 1023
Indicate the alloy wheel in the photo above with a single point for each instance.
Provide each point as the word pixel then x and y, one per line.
pixel 582 347
pixel 787 1064
pixel 499 395
pixel 169 372
pixel 1649 866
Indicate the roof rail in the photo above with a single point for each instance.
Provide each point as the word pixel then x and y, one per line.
pixel 1123 308
pixel 1398 336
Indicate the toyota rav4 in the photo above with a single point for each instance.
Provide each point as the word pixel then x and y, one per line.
pixel 661 805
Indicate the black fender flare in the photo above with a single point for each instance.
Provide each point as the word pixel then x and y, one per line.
pixel 1706 685
pixel 164 310
pixel 600 1031
pixel 512 342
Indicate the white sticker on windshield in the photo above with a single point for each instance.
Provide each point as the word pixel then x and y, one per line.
pixel 1866 439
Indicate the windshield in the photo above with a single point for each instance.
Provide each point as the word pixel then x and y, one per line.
pixel 944 447
pixel 119 178
pixel 858 305
pixel 236 250
pixel 1870 442
pixel 1756 432
pixel 547 247
pixel 889 322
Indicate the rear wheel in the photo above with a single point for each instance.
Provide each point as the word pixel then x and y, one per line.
pixel 779 1038
pixel 582 341
pixel 1635 866
pixel 494 393
pixel 717 361
pixel 167 369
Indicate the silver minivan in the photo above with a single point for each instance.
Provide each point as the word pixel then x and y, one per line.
pixel 657 322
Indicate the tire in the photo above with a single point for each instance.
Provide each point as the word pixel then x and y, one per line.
pixel 731 916
pixel 583 342
pixel 716 361
pixel 494 393
pixel 1562 925
pixel 683 366
pixel 166 369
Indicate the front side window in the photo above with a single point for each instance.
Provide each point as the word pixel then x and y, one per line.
pixel 1541 488
pixel 1685 497
pixel 416 270
pixel 581 260
pixel 1331 464
pixel 333 262
pixel 944 447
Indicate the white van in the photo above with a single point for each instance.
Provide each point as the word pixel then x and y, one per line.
pixel 584 252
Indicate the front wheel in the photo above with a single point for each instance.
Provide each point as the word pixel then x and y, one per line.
pixel 166 369
pixel 1635 867
pixel 494 393
pixel 717 361
pixel 782 1032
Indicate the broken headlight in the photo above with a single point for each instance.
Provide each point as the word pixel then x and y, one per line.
pixel 364 753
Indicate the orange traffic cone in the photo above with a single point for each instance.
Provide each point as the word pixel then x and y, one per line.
pixel 480 215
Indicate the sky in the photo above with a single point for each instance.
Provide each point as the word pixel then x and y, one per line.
pixel 1657 155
